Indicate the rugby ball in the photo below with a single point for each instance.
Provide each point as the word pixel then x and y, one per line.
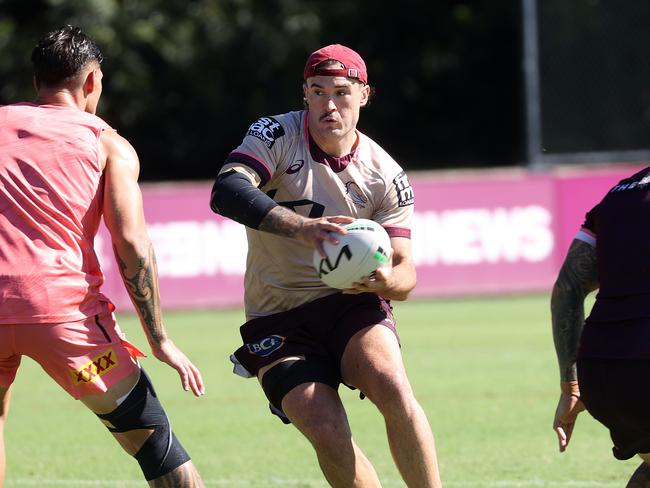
pixel 364 248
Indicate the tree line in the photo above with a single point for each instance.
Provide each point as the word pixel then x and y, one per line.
pixel 185 78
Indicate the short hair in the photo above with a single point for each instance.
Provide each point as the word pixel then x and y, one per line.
pixel 62 54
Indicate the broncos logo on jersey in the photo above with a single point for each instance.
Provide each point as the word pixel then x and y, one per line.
pixel 355 194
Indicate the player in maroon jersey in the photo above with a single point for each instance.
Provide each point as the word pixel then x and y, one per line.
pixel 605 360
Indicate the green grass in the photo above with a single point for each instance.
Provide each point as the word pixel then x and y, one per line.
pixel 483 369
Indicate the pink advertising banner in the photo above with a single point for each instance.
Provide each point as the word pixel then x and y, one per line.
pixel 479 232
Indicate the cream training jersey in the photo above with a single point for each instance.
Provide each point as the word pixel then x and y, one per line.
pixel 281 158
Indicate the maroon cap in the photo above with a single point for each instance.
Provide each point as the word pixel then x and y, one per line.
pixel 352 62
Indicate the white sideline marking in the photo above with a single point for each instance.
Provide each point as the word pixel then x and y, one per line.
pixel 279 482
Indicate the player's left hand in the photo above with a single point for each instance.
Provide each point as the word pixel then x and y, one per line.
pixel 379 283
pixel 190 376
pixel 566 413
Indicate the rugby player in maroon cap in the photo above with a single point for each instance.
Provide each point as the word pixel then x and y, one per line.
pixel 295 179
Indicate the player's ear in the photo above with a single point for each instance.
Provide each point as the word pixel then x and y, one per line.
pixel 91 82
pixel 365 95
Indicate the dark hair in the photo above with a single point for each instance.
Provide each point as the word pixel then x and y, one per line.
pixel 62 54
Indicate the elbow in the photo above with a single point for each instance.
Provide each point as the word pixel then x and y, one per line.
pixel 235 197
pixel 215 196
pixel 225 188
pixel 565 291
pixel 566 287
pixel 130 246
pixel 560 290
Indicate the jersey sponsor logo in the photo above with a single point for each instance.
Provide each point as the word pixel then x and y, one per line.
pixel 355 194
pixel 295 167
pixel 267 130
pixel 404 190
pixel 96 367
pixel 641 184
pixel 317 210
pixel 266 346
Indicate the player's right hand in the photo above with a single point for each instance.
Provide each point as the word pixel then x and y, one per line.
pixel 314 231
pixel 190 375
pixel 566 413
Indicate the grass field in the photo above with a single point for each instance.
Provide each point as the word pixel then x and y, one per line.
pixel 484 370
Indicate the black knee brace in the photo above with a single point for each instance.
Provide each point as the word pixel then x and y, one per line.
pixel 285 376
pixel 162 452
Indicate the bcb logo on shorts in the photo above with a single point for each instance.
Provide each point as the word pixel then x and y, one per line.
pixel 96 367
pixel 266 346
pixel 267 130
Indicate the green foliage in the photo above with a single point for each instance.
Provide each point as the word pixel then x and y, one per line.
pixel 484 371
pixel 594 74
pixel 184 79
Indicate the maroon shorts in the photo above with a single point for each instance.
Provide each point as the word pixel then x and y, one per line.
pixel 614 392
pixel 320 330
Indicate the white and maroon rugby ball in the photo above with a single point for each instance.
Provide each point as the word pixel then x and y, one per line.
pixel 364 248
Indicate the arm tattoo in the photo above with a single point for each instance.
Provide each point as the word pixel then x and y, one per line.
pixel 577 278
pixel 281 221
pixel 142 287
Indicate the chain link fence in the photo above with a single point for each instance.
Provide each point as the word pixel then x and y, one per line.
pixel 592 78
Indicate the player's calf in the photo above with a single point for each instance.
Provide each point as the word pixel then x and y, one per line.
pixel 160 452
pixel 185 476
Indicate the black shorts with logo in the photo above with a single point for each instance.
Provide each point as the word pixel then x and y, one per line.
pixel 320 329
pixel 615 393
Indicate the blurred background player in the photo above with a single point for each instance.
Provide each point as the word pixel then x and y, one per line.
pixel 294 179
pixel 605 365
pixel 61 168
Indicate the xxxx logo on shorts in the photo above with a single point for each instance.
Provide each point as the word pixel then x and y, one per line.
pixel 96 367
